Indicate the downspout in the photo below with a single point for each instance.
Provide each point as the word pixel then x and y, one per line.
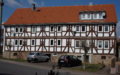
pixel 4 40
pixel 1 4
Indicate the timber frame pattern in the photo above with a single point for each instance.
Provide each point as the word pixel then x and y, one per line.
pixel 64 49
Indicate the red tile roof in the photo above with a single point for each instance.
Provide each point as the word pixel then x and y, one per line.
pixel 60 14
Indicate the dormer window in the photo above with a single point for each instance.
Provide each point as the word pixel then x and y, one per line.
pixel 92 15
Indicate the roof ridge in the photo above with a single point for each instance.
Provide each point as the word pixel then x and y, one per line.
pixel 65 6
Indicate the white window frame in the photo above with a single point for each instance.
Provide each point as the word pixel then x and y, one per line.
pixel 81 28
pixel 75 43
pixel 87 16
pixel 108 44
pixel 57 28
pixel 32 29
pixel 50 28
pixel 19 42
pixel 31 42
pixel 82 16
pixel 53 54
pixel 99 16
pixel 15 29
pixel 50 42
pixel 96 15
pixel 98 44
pixel 98 28
pixel 22 30
pixel 76 28
pixel 57 42
pixel 104 28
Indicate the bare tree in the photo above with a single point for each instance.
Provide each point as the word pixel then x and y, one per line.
pixel 85 45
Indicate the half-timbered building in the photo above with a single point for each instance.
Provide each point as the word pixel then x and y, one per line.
pixel 59 30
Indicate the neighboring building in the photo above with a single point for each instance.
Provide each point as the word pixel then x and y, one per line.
pixel 65 27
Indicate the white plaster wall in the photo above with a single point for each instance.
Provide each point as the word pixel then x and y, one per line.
pixel 8 29
pixel 77 50
pixel 72 42
pixel 28 42
pixel 64 28
pixel 32 48
pixel 113 34
pixel 38 28
pixel 112 51
pixel 94 51
pixel 47 42
pixel 64 42
pixel 99 51
pixel 37 41
pixel 83 34
pixel 100 34
pixel 29 28
pixel 58 49
pixel 47 28
pixel 87 28
pixel 106 51
pixel 106 34
pixel 51 49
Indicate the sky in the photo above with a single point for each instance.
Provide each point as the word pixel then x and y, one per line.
pixel 11 5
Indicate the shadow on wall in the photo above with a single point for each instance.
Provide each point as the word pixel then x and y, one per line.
pixel 1 48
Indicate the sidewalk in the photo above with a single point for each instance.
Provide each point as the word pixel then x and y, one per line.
pixel 48 66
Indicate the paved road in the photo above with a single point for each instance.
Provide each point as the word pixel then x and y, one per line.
pixel 14 69
pixel 24 68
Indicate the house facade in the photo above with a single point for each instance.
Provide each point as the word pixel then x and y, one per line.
pixel 60 30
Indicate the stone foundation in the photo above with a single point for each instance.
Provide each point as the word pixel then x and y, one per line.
pixel 96 59
pixel 93 59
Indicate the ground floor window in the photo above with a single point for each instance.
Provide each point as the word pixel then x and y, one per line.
pixel 103 57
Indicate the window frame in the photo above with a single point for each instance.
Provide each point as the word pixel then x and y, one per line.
pixel 87 16
pixel 75 43
pixel 57 28
pixel 98 28
pixel 76 28
pixel 53 54
pixel 19 42
pixel 32 29
pixel 57 42
pixel 50 28
pixel 94 15
pixel 15 29
pixel 98 44
pixel 22 30
pixel 31 42
pixel 81 28
pixel 103 56
pixel 104 28
pixel 50 42
pixel 108 44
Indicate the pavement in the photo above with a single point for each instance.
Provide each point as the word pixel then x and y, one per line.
pixel 46 66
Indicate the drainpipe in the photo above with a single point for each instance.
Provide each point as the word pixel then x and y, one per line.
pixel 1 4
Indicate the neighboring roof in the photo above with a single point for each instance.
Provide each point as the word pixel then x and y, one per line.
pixel 60 14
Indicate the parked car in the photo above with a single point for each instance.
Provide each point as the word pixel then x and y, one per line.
pixel 37 56
pixel 69 60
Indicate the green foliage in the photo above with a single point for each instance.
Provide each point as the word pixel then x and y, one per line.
pixel 89 68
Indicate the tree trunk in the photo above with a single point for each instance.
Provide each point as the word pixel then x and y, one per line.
pixel 84 61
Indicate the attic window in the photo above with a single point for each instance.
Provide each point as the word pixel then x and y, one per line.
pixel 92 15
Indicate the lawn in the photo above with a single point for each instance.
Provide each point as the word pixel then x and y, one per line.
pixel 18 60
pixel 89 68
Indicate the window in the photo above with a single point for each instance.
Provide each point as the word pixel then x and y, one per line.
pixel 32 42
pixel 77 28
pixel 59 42
pixel 20 42
pixel 95 16
pixel 52 29
pixel 83 16
pixel 16 42
pixel 51 42
pixel 100 44
pixel 106 44
pixel 100 28
pixel 59 28
pixel 77 44
pixel 54 54
pixel 83 28
pixel 33 29
pixel 16 29
pixel 100 15
pixel 106 28
pixel 88 16
pixel 21 29
pixel 103 57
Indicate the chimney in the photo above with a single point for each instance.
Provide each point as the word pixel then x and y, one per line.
pixel 32 7
pixel 90 4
